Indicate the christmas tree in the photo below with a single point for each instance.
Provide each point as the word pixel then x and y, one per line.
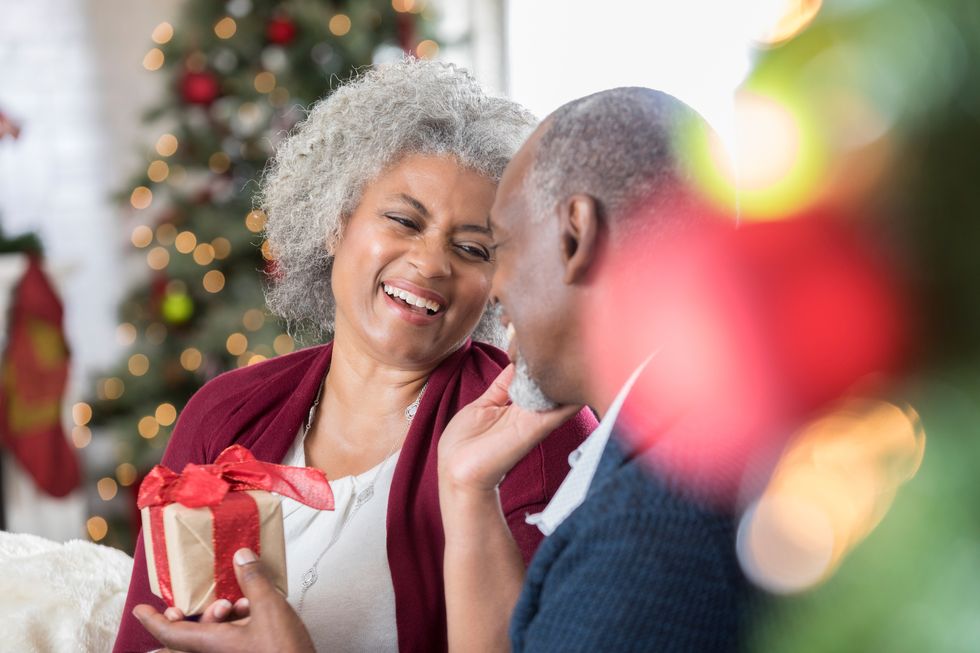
pixel 239 75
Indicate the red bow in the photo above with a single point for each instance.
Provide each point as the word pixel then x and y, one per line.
pixel 235 470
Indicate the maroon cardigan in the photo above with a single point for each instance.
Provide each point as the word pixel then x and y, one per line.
pixel 262 407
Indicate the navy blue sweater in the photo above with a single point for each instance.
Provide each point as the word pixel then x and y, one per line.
pixel 637 567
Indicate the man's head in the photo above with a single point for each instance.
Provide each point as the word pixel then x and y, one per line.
pixel 600 171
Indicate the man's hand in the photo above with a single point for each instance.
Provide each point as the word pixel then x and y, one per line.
pixel 272 626
pixel 488 437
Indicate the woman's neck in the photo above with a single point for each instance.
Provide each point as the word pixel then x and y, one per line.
pixel 358 383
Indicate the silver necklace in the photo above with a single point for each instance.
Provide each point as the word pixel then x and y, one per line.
pixel 311 576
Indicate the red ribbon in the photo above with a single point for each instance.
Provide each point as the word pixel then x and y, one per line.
pixel 236 517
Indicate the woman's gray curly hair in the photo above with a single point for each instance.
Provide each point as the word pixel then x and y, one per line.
pixel 318 175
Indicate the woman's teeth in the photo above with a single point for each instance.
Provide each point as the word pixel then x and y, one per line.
pixel 412 300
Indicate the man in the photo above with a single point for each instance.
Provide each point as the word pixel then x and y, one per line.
pixel 634 559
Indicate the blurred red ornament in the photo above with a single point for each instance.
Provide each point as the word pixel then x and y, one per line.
pixel 280 31
pixel 755 329
pixel 199 87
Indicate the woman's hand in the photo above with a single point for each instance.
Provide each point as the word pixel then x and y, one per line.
pixel 271 625
pixel 219 611
pixel 489 436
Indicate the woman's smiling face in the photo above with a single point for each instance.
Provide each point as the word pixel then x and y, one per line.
pixel 411 275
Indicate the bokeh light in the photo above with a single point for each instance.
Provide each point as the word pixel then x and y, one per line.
pixel 339 25
pixel 255 221
pixel 81 436
pixel 829 490
pixel 225 28
pixel 213 281
pixel 111 388
pixel 142 236
pixel 222 247
pixel 166 233
pixel 158 258
pixel 126 474
pixel 125 334
pixel 162 33
pixel 283 344
pixel 219 162
pixel 141 197
pixel 158 171
pixel 253 319
pixel 782 20
pixel 138 364
pixel 107 488
pixel 148 427
pixel 185 242
pixel 427 49
pixel 236 344
pixel 81 413
pixel 204 254
pixel 153 60
pixel 166 145
pixel 166 414
pixel 264 82
pixel 190 359
pixel 97 528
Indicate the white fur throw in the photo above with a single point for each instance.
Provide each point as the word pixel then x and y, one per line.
pixel 60 597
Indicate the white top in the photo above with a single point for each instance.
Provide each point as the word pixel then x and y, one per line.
pixel 584 461
pixel 351 607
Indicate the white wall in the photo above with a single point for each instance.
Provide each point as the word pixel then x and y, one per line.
pixel 558 50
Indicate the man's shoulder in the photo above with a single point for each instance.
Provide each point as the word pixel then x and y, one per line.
pixel 639 564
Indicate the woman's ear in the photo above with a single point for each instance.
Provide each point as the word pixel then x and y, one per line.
pixel 578 231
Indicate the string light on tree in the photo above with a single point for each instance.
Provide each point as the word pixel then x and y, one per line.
pixel 340 25
pixel 154 59
pixel 141 197
pixel 162 33
pixel 166 145
pixel 97 528
pixel 126 474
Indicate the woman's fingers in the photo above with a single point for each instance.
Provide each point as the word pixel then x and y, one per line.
pixel 220 610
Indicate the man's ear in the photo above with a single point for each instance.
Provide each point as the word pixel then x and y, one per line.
pixel 578 230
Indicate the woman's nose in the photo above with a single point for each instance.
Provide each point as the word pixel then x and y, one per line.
pixel 430 258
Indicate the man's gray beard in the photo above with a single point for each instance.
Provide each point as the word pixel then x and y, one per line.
pixel 525 392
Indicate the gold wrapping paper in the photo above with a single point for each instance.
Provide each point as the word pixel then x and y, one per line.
pixel 190 550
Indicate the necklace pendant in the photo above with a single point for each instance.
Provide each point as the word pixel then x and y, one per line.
pixel 309 578
pixel 364 496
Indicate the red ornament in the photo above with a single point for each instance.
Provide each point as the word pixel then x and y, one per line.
pixel 199 88
pixel 280 31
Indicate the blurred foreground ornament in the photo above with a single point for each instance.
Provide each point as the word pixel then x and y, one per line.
pixel 755 330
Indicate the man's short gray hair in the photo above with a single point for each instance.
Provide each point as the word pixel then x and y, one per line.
pixel 628 148
pixel 319 173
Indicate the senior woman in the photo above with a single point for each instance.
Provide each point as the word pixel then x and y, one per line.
pixel 378 216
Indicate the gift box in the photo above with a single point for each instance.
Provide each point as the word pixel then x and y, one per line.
pixel 193 523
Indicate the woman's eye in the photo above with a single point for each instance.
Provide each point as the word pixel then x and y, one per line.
pixel 403 221
pixel 475 251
